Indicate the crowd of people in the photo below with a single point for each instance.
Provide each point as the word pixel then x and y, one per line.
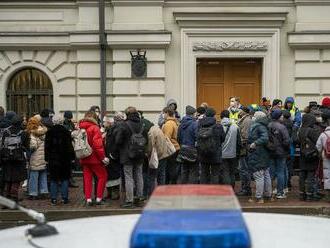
pixel 127 155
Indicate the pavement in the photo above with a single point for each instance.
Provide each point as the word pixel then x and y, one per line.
pixel 77 209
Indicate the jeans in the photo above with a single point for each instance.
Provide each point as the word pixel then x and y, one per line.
pixel 306 179
pixel 133 175
pixel 244 175
pixel 263 183
pixel 210 173
pixel 280 171
pixel 189 173
pixel 161 171
pixel 172 169
pixel 38 182
pixel 64 188
pixel 228 168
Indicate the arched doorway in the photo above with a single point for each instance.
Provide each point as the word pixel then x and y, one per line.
pixel 29 91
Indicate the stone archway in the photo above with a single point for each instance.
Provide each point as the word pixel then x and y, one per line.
pixel 29 90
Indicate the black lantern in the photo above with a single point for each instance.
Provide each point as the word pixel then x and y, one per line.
pixel 138 64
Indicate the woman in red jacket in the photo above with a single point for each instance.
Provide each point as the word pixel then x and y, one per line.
pixel 96 162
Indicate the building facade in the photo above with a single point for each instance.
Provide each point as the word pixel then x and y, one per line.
pixel 196 50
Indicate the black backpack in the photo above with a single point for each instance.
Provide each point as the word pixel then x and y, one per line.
pixel 274 140
pixel 206 143
pixel 11 148
pixel 136 144
pixel 308 149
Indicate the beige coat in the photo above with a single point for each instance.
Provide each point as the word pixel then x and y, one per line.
pixel 157 140
pixel 170 129
pixel 37 145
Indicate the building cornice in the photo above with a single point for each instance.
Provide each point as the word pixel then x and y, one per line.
pixel 63 4
pixel 312 2
pixel 137 2
pixel 228 3
pixel 309 39
pixel 230 19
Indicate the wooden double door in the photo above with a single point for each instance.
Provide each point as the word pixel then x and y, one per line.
pixel 220 79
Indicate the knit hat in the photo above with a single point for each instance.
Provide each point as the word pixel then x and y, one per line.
pixel 190 110
pixel 286 114
pixel 119 116
pixel 259 115
pixel 276 114
pixel 326 102
pixel 57 120
pixel 68 115
pixel 210 112
pixel 44 113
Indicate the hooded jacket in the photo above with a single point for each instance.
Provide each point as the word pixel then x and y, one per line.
pixel 284 138
pixel 161 118
pixel 309 129
pixel 37 146
pixel 244 124
pixel 258 158
pixel 170 129
pixel 295 113
pixel 94 137
pixel 187 133
pixel 219 136
pixel 232 139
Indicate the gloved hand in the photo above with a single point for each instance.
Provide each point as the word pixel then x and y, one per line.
pixel 106 161
pixel 253 146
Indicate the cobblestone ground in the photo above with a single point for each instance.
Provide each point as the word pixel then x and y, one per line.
pixel 77 201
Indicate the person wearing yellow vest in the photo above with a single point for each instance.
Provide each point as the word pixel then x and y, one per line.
pixel 234 108
pixel 289 105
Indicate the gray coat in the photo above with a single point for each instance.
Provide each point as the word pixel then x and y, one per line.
pixel 283 150
pixel 229 146
pixel 320 144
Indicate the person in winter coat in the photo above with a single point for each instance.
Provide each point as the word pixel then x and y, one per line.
pixel 279 136
pixel 309 159
pixel 258 156
pixel 289 105
pixel 230 149
pixel 68 123
pixel 321 146
pixel 46 118
pixel 13 167
pixel 187 137
pixel 288 123
pixel 244 124
pixel 59 155
pixel 112 151
pixel 37 183
pixel 132 167
pixel 170 130
pixel 173 105
pixel 96 162
pixel 234 108
pixel 210 162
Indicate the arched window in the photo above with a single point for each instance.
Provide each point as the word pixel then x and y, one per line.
pixel 29 91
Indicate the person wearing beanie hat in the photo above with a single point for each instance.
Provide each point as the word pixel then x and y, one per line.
pixel 326 102
pixel 188 153
pixel 59 155
pixel 67 122
pixel 190 110
pixel 279 145
pixel 296 116
pixel 258 156
pixel 210 137
pixel 244 124
pixel 13 166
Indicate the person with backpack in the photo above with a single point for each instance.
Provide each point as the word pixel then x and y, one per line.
pixel 230 148
pixel 258 156
pixel 309 158
pixel 210 137
pixel 170 130
pixel 132 143
pixel 279 146
pixel 59 155
pixel 13 146
pixel 112 151
pixel 323 146
pixel 37 183
pixel 244 124
pixel 187 137
pixel 95 162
